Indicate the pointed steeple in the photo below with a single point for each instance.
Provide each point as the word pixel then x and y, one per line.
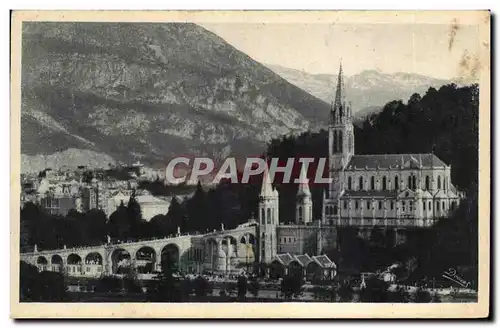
pixel 339 93
pixel 303 183
pixel 266 189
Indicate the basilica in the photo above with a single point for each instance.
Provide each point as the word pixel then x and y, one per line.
pixel 394 192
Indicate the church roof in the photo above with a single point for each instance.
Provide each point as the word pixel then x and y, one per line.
pixel 324 261
pixel 284 259
pixel 303 259
pixel 369 193
pixel 394 161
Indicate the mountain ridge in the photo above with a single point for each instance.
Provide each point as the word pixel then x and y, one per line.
pixel 150 92
pixel 368 91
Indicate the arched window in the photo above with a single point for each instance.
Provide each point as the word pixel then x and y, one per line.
pixel 396 183
pixel 439 182
pixel 299 209
pixel 268 216
pixel 409 182
pixel 349 183
pixel 327 210
pixel 341 146
pixel 414 182
pixel 345 204
pixel 263 216
pixel 424 206
pixel 357 204
pixel 379 204
pixel 384 183
pixel 437 206
pixel 335 210
pixel 427 183
pixel 334 143
pixel 372 182
pixel 361 183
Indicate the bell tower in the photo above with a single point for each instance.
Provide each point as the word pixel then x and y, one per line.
pixel 268 220
pixel 340 147
pixel 341 130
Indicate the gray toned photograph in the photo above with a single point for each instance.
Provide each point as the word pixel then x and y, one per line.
pixel 112 112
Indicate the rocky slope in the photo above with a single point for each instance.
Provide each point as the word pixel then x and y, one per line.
pixel 149 92
pixel 368 91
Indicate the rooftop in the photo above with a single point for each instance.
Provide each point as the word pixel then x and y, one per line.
pixel 394 161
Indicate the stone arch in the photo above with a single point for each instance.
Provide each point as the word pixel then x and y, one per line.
pixel 42 260
pixel 145 259
pixel 93 258
pixel 170 255
pixel 229 245
pixel 74 264
pixel 74 259
pixel 56 259
pixel 439 182
pixel 42 263
pixel 93 264
pixel 251 239
pixel 427 183
pixel 120 261
pixel 243 240
pixel 56 262
pixel 396 182
pixel 212 252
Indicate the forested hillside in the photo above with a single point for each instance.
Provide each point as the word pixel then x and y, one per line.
pixel 443 121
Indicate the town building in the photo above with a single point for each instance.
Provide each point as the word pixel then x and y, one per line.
pixel 382 190
pixel 393 192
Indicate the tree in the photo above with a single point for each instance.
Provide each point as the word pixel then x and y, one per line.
pixel 119 224
pixel 45 286
pixel 420 296
pixel 344 291
pixel 169 286
pixel 242 285
pixel 291 286
pixel 254 287
pixel 376 291
pixel 202 287
pixel 230 288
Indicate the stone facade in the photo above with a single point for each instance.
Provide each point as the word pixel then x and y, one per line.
pixel 388 190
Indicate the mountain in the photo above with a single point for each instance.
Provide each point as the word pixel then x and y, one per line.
pixel 141 91
pixel 368 91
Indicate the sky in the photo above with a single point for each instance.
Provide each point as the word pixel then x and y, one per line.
pixel 434 50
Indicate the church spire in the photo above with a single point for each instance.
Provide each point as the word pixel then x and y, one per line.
pixel 303 183
pixel 339 93
pixel 266 189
